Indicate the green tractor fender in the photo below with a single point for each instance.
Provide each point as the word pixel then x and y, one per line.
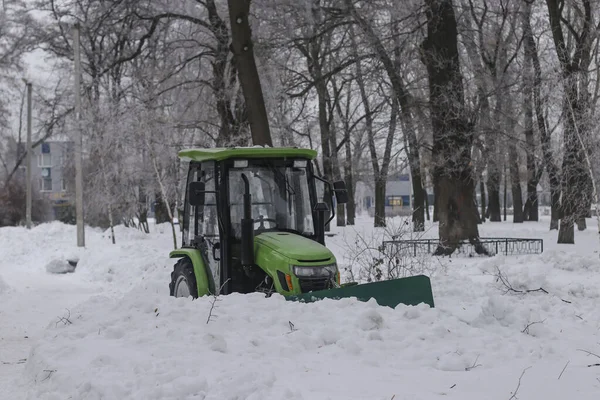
pixel 204 280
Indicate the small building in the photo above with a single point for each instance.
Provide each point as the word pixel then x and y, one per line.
pixel 398 196
pixel 52 173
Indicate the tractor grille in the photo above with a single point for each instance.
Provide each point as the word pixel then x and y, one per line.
pixel 314 284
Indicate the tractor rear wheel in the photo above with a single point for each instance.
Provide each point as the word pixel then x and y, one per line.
pixel 183 280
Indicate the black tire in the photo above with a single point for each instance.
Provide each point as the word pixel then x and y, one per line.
pixel 183 274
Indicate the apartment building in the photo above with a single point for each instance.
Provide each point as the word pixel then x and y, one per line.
pixel 52 166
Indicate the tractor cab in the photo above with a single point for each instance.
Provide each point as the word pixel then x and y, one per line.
pixel 257 218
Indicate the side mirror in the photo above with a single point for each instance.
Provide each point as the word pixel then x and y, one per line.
pixel 196 193
pixel 341 193
pixel 321 207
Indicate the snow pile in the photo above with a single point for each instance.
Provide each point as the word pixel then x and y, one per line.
pixel 494 318
pixel 59 266
pixel 154 347
pixel 4 288
pixel 129 263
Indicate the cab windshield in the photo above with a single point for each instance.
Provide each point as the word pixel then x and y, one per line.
pixel 280 198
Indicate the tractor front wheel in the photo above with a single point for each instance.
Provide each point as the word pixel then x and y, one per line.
pixel 183 280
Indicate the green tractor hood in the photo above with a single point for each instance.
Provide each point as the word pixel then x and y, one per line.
pixel 295 247
pixel 410 290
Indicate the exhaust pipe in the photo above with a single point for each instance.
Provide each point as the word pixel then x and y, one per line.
pixel 247 254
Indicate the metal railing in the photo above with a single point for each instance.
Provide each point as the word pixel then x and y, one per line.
pixel 494 246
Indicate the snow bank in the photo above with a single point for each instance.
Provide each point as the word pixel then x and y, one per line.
pixel 4 288
pixel 148 346
pixel 133 341
pixel 59 266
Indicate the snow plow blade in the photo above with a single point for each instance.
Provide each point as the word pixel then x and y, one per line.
pixel 410 291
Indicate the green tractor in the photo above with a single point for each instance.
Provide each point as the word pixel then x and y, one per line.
pixel 254 221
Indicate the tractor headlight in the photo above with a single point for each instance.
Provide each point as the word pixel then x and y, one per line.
pixel 315 271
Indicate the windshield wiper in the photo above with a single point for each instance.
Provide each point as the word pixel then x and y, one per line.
pixel 288 187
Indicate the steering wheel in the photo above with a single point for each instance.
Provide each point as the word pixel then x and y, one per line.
pixel 262 219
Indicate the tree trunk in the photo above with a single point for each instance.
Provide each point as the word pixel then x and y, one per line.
pixel 380 181
pixel 380 173
pixel 586 193
pixel 242 48
pixel 436 217
pixel 566 231
pixel 581 223
pixel 505 193
pixel 109 205
pixel 515 182
pixel 340 213
pixel 483 199
pixel 493 186
pixel 538 102
pixel 531 208
pixel 161 214
pixel 350 207
pixel 414 159
pixel 418 214
pixel 426 204
pixel 414 162
pixel 325 129
pixel 392 68
pixel 452 131
pixel 494 157
pixel 575 177
pixel 476 205
pixel 554 207
pixel 349 178
pixel 530 211
pixel 458 214
pixel 379 220
pixel 494 176
pixel 164 199
pixel 229 128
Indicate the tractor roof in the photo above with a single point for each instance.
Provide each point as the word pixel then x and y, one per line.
pixel 224 153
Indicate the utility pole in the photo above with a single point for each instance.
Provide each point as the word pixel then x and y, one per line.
pixel 78 141
pixel 28 158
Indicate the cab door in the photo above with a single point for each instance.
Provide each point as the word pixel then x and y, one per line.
pixel 203 219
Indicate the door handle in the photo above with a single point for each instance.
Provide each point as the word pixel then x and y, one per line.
pixel 217 246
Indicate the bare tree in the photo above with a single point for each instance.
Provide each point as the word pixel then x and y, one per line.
pixel 403 108
pixel 574 63
pixel 548 159
pixel 452 130
pixel 241 46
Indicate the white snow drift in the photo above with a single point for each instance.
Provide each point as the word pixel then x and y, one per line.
pixel 130 340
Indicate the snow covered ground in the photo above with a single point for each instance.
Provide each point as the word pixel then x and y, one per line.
pixel 111 331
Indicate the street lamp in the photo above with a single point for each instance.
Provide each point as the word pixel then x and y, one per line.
pixel 75 27
pixel 28 157
pixel 78 141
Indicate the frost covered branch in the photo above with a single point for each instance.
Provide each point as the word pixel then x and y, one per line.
pixel 475 365
pixel 503 279
pixel 563 370
pixel 292 327
pixel 213 302
pixel 514 394
pixel 50 372
pixel 589 353
pixel 508 287
pixel 20 361
pixel 370 261
pixel 65 320
pixel 526 329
